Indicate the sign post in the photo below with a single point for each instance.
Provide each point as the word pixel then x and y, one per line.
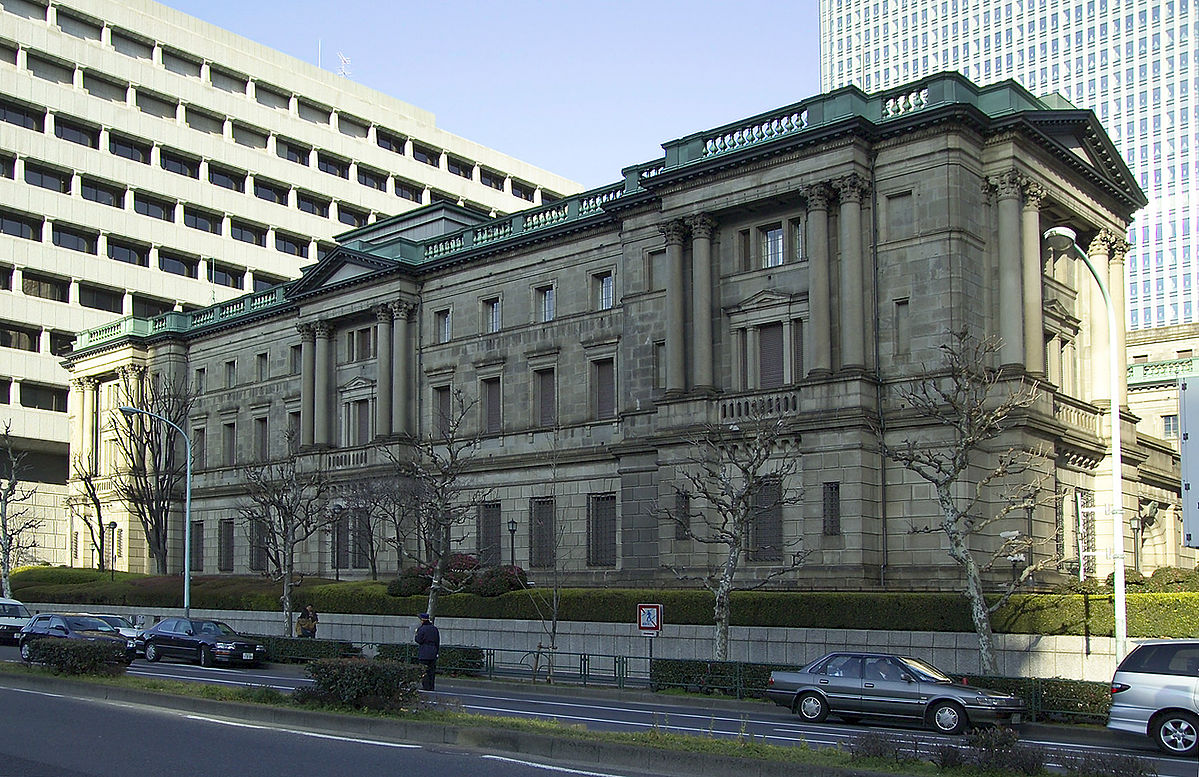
pixel 649 623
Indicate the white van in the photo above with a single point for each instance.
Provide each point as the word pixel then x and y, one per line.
pixel 13 616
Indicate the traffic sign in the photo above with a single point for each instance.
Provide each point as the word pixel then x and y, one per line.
pixel 649 619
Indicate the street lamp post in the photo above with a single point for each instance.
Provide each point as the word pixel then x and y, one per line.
pixel 187 504
pixel 1061 239
pixel 512 541
pixel 112 550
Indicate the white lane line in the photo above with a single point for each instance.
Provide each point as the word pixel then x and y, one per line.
pixel 548 768
pixel 662 711
pixel 38 693
pixel 300 732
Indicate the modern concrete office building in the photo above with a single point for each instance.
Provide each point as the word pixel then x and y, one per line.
pixel 1133 64
pixel 809 261
pixel 151 162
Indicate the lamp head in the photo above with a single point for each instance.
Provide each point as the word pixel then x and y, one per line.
pixel 127 410
pixel 512 525
pixel 1061 238
pixel 112 524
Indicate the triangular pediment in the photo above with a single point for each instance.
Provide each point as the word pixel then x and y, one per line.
pixel 1079 136
pixel 340 267
pixel 762 300
pixel 357 383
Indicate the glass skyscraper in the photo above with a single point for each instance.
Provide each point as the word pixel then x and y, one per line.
pixel 1132 63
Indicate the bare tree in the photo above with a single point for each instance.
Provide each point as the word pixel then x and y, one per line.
pixel 370 506
pixel 734 486
pixel 286 502
pixel 156 466
pixel 547 599
pixel 976 486
pixel 437 488
pixel 18 522
pixel 84 474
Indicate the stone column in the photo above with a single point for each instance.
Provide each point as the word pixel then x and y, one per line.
pixel 323 399
pixel 383 396
pixel 1011 273
pixel 402 386
pixel 676 312
pixel 854 322
pixel 1053 367
pixel 307 382
pixel 1033 274
pixel 819 294
pixel 1099 250
pixel 1115 286
pixel 702 227
pixel 85 426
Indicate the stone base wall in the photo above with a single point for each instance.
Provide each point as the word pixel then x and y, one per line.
pixel 1019 655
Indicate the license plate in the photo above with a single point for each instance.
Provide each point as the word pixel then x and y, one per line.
pixel 247 656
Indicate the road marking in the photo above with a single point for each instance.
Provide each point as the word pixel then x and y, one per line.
pixel 313 734
pixel 39 693
pixel 549 768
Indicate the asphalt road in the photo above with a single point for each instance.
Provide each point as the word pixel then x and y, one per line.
pixel 611 710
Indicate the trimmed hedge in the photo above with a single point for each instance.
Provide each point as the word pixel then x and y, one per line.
pixel 78 657
pixel 1083 614
pixel 359 683
pixel 451 659
pixel 298 649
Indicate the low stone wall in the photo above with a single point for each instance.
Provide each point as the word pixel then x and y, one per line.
pixel 1019 655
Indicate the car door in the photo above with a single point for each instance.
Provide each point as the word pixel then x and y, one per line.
pixel 885 691
pixel 841 680
pixel 166 637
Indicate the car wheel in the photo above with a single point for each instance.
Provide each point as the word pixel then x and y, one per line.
pixel 1177 733
pixel 811 707
pixel 947 717
pixel 206 657
pixel 26 651
pixel 152 654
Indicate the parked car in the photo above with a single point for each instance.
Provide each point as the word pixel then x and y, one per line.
pixel 204 641
pixel 1155 691
pixel 856 685
pixel 69 626
pixel 120 623
pixel 13 617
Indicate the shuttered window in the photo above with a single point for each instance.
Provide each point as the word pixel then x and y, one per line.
pixel 441 410
pixel 832 509
pixel 341 542
pixel 546 399
pixel 487 532
pixel 605 389
pixel 767 528
pixel 258 557
pixel 492 406
pixel 770 355
pixel 361 542
pixel 224 562
pixel 197 546
pixel 601 530
pixel 541 533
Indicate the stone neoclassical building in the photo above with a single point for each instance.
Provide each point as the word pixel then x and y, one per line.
pixel 815 256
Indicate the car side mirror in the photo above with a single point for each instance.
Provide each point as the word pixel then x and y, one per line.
pixel 62 629
pixel 907 678
pixel 190 633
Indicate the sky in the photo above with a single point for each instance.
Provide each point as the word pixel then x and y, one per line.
pixel 577 88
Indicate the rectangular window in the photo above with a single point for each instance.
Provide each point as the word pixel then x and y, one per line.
pixel 523 190
pixel 258 550
pixel 227 178
pixel 230 374
pixel 144 307
pixel 225 553
pixel 97 298
pixel 47 178
pixel 176 264
pixel 247 233
pixel 443 421
pixel 74 239
pixel 178 62
pixel 682 515
pixel 293 152
pixel 228 445
pixel 350 216
pixel 311 204
pixel 770 356
pixel 492 318
pixel 22 116
pixel 541 533
pixel 545 397
pixel 392 142
pixel 262 442
pixel 289 244
pixel 425 154
pixel 327 163
pixel 153 207
pixel 129 253
pixel 45 287
pixel 767 527
pixel 372 178
pixel 197 546
pixel 19 337
pixel 492 406
pixel 179 164
pixel 604 376
pixel 544 301
pixel 20 225
pixel 494 180
pixel 460 167
pixel 76 133
pixel 295 359
pixel 409 191
pixel 203 220
pixel 603 290
pixel 1170 427
pixel 271 192
pixel 443 326
pixel 226 275
pixel 771 245
pixel 105 194
pixel 832 509
pixel 199 447
pixel 601 530
pixel 360 344
pixel 487 534
pixel 129 148
pixel 341 541
pixel 39 397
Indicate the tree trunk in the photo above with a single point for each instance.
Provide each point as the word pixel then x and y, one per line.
pixel 5 551
pixel 979 614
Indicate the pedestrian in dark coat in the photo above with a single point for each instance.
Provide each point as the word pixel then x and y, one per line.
pixel 428 640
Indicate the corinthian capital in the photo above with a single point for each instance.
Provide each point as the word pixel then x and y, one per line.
pixel 702 226
pixel 383 313
pixel 817 195
pixel 675 232
pixel 1034 193
pixel 1007 184
pixel 852 188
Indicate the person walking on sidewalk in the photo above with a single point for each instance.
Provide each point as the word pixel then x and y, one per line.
pixel 428 640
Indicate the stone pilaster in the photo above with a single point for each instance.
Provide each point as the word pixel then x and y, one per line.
pixel 1033 272
pixel 1011 271
pixel 1099 252
pixel 676 311
pixel 852 298
pixel 383 394
pixel 307 382
pixel 702 227
pixel 402 387
pixel 323 399
pixel 819 294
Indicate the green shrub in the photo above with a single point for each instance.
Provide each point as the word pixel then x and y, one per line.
pixel 359 683
pixel 451 659
pixel 79 657
pixel 495 581
pixel 731 678
pixel 1095 764
pixel 297 649
pixel 1055 699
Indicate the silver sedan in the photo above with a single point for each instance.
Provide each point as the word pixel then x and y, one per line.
pixel 856 685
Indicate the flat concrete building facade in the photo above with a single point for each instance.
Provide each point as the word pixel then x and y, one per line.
pixel 150 162
pixel 810 261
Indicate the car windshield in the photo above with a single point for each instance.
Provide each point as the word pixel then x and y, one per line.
pixel 116 621
pixel 13 611
pixel 926 671
pixel 213 627
pixel 86 623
